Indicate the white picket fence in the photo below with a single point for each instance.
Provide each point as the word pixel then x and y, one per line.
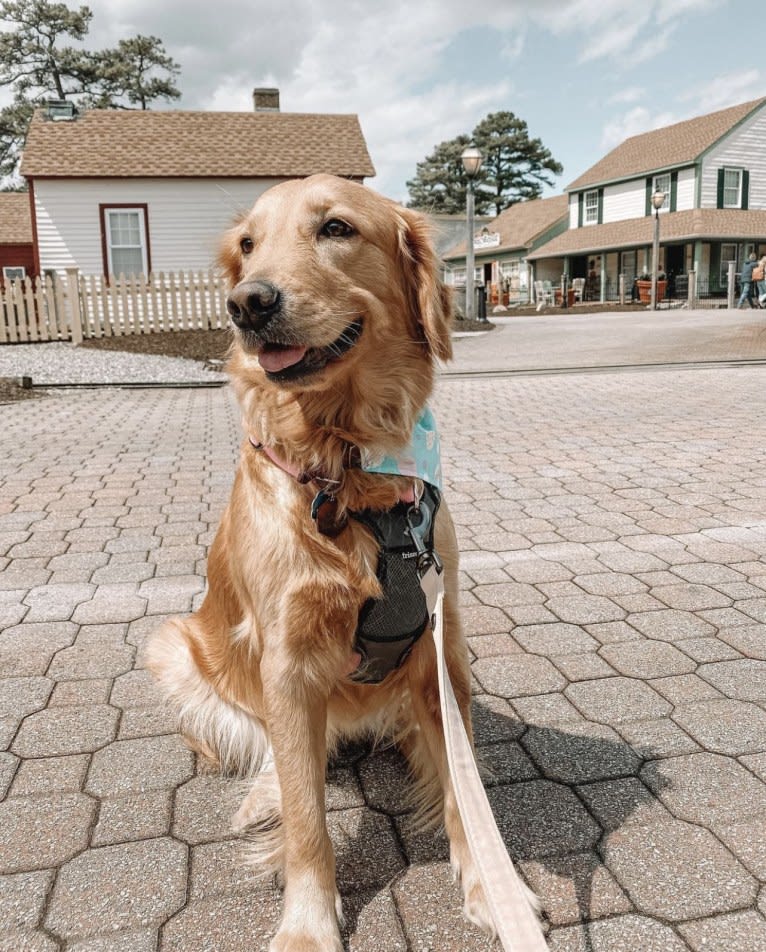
pixel 82 306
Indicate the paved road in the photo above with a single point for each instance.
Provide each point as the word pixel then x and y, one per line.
pixel 613 530
pixel 569 339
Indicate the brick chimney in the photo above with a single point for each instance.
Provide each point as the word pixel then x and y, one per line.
pixel 266 100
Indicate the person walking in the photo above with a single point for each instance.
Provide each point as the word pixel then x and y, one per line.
pixel 761 280
pixel 746 281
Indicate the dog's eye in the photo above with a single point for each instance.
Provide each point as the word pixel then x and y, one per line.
pixel 335 228
pixel 246 245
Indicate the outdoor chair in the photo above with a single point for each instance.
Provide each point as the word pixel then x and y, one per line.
pixel 543 293
pixel 578 286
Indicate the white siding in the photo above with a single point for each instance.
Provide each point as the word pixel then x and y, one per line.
pixel 186 218
pixel 625 200
pixel 744 148
pixel 573 210
pixel 685 190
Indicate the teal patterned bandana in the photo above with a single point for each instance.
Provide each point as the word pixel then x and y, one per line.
pixel 420 458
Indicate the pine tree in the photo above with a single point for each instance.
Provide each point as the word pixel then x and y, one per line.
pixel 515 168
pixel 38 63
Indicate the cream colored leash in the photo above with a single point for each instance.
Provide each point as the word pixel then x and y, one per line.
pixel 516 923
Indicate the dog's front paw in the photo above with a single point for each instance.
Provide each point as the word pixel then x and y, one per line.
pixel 292 941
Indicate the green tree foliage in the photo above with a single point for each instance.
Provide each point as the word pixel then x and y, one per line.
pixel 38 62
pixel 515 168
pixel 137 71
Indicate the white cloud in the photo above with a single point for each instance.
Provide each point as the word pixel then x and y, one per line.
pixel 635 121
pixel 726 90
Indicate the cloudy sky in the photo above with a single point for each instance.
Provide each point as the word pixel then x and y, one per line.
pixel 584 74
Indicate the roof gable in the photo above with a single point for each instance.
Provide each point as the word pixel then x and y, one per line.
pixel 521 224
pixel 671 146
pixel 104 143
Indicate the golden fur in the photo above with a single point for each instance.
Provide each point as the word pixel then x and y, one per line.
pixel 259 675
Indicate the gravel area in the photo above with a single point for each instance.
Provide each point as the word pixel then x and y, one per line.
pixel 64 363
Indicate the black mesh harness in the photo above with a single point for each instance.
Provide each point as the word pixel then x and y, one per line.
pixel 390 625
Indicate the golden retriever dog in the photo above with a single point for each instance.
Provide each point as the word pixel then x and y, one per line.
pixel 339 318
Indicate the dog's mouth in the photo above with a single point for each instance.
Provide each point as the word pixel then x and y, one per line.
pixel 292 361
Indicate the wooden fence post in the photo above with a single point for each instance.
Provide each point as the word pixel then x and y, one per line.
pixel 691 295
pixel 75 311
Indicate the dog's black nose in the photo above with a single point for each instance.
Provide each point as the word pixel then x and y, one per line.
pixel 252 304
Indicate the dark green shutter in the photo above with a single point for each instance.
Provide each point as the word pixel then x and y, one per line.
pixel 745 188
pixel 601 206
pixel 719 203
pixel 580 203
pixel 673 190
pixel 649 208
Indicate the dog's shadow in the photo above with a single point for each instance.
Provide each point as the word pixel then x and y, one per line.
pixel 554 791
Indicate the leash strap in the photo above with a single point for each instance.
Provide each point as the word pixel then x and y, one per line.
pixel 517 926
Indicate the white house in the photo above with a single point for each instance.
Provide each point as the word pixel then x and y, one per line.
pixel 713 172
pixel 132 192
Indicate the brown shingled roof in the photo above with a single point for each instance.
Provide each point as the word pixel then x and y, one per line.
pixel 679 144
pixel 15 219
pixel 169 144
pixel 521 224
pixel 694 224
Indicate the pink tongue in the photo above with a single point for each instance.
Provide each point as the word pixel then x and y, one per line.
pixel 273 361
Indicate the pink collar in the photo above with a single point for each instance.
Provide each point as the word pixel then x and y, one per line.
pixel 326 484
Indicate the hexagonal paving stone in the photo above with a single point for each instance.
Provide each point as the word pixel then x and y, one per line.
pixel 366 850
pixel 92 660
pixel 204 807
pixel 580 752
pixel 515 675
pixel 646 659
pixel 744 680
pixel 622 934
pixel 540 818
pixel 706 788
pixel 56 602
pixel 66 730
pixel 134 766
pixel 22 899
pixel 677 871
pixel 40 832
pixel 585 609
pixel 553 639
pixel 225 922
pixel 429 904
pixel 670 625
pixel 613 700
pixel 749 640
pixel 149 877
pixel 561 882
pixel 725 726
pixel 22 696
pixel 743 931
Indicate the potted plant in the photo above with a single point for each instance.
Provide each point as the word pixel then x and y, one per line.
pixel 644 285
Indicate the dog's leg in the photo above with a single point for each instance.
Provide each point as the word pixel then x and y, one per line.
pixel 296 710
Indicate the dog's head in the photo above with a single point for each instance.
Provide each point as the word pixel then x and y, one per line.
pixel 329 280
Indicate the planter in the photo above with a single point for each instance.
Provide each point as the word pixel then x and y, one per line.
pixel 645 290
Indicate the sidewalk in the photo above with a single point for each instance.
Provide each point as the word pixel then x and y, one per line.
pixel 613 531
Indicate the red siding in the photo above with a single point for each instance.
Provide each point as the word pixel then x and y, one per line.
pixel 15 256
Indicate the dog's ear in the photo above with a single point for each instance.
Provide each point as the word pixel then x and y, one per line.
pixel 431 299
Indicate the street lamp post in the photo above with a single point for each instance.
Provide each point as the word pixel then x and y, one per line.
pixel 658 200
pixel 471 159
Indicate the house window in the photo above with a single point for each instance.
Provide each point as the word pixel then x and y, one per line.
pixel 732 188
pixel 728 256
pixel 126 249
pixel 591 207
pixel 661 183
pixel 12 273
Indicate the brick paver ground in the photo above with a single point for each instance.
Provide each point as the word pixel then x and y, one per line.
pixel 613 531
